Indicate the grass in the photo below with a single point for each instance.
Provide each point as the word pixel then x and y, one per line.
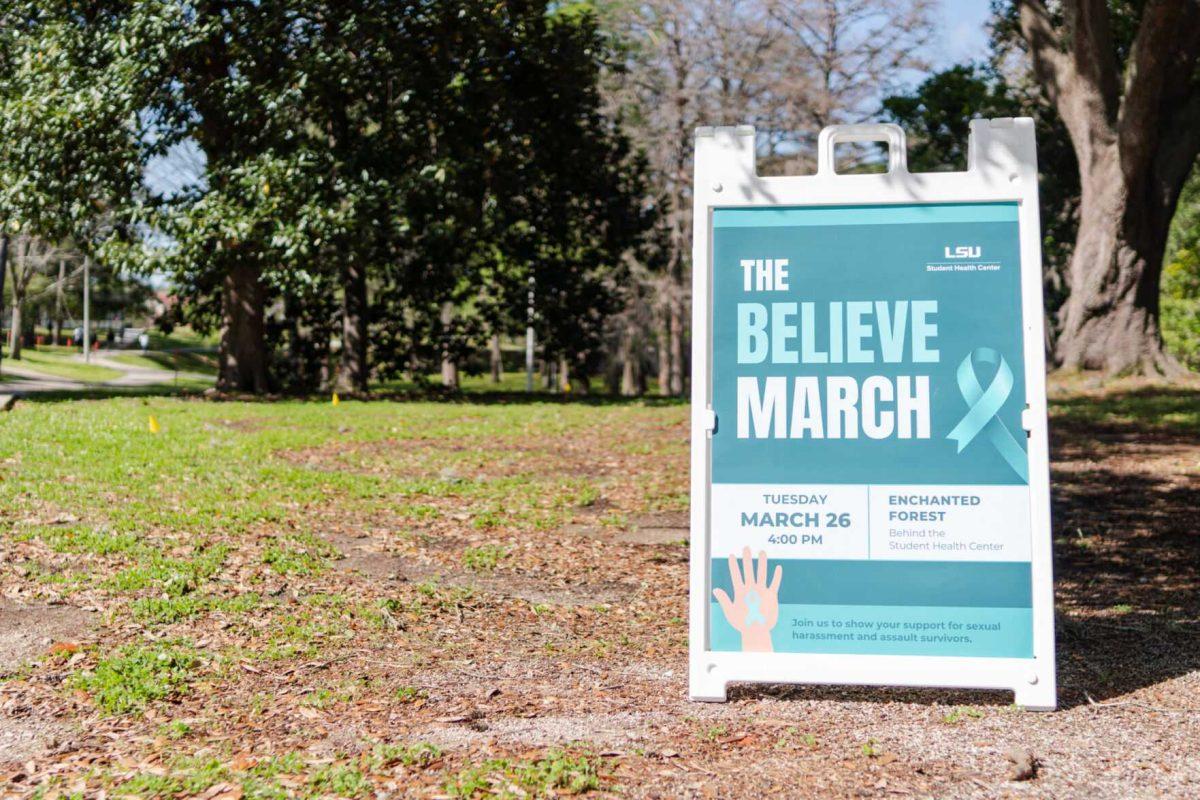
pixel 60 362
pixel 483 559
pixel 559 773
pixel 214 535
pixel 136 675
pixel 1128 403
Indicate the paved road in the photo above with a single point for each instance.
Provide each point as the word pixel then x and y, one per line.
pixel 15 378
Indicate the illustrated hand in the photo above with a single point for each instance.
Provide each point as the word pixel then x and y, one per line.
pixel 754 609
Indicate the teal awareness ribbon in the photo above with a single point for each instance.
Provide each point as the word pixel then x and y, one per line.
pixel 985 405
pixel 754 609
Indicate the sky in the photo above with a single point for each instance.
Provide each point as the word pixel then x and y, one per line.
pixel 963 32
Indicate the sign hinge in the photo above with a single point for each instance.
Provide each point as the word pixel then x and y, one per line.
pixel 710 420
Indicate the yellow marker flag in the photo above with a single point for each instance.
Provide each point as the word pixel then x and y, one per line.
pixel 335 400
pixel 154 426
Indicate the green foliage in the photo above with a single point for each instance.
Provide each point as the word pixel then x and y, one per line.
pixel 73 142
pixel 299 554
pixel 558 773
pixel 1181 278
pixel 444 153
pixel 138 674
pixel 421 753
pixel 484 558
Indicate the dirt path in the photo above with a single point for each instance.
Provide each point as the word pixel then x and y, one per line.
pixel 34 381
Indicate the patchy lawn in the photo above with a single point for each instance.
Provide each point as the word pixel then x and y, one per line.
pixel 488 598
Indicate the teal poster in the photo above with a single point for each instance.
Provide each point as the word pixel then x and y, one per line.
pixel 870 483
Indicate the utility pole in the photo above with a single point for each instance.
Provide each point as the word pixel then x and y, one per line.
pixel 529 338
pixel 87 310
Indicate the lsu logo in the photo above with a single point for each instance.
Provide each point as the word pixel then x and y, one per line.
pixel 964 251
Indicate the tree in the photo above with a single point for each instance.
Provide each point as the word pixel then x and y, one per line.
pixel 787 68
pixel 30 258
pixel 516 175
pixel 856 52
pixel 1123 77
pixel 73 141
pixel 688 64
pixel 225 81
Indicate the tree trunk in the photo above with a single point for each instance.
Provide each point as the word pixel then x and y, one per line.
pixel 1135 128
pixel 354 370
pixel 3 272
pixel 14 334
pixel 664 356
pixel 1110 321
pixel 633 380
pixel 677 362
pixel 242 353
pixel 59 302
pixel 497 358
pixel 449 364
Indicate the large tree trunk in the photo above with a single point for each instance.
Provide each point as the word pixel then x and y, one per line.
pixel 1135 128
pixel 242 353
pixel 354 371
pixel 1110 319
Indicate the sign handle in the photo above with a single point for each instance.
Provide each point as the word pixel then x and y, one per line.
pixel 888 132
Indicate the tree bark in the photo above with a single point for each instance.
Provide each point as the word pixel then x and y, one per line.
pixel 664 356
pixel 449 364
pixel 1110 321
pixel 354 370
pixel 1136 135
pixel 677 362
pixel 242 354
pixel 59 302
pixel 496 357
pixel 572 380
pixel 3 272
pixel 633 380
pixel 14 333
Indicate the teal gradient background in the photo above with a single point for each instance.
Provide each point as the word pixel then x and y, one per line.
pixel 871 253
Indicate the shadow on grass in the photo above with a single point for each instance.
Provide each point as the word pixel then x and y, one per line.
pixel 1132 411
pixel 100 393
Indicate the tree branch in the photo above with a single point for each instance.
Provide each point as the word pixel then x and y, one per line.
pixel 1093 52
pixel 1045 47
pixel 1160 65
pixel 1179 146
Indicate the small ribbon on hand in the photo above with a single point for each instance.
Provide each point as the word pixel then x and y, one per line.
pixel 754 609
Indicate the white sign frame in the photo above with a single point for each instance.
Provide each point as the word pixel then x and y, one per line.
pixel 1001 166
